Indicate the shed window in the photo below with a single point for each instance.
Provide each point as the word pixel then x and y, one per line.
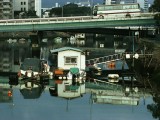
pixel 70 60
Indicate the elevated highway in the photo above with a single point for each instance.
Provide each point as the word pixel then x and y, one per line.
pixel 72 23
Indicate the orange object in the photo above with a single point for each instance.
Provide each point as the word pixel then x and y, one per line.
pixel 111 65
pixel 9 93
pixel 19 74
pixel 58 72
pixel 58 81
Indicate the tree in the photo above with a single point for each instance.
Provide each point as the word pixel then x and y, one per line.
pixel 31 14
pixel 25 14
pixel 155 6
pixel 70 10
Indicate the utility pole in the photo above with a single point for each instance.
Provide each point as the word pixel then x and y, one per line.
pixel 91 5
pixel 62 11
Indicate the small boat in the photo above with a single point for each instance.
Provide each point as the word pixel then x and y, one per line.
pixel 31 90
pixel 34 68
pixel 113 78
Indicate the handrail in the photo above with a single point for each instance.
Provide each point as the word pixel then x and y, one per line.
pixel 62 20
pixel 105 59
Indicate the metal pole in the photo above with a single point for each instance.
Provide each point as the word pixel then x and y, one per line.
pixel 62 11
pixel 91 5
pixel 133 47
pixel 133 41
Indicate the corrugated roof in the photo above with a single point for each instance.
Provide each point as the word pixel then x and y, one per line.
pixel 64 49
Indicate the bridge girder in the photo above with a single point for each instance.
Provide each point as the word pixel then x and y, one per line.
pixel 109 31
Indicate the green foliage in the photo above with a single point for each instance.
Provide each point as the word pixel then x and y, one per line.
pixel 31 14
pixel 70 10
pixel 155 109
pixel 147 45
pixel 156 77
pixel 25 14
pixel 155 7
pixel 157 18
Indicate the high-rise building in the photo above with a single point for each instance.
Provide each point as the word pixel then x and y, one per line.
pixel 38 6
pixel 107 2
pixel 26 5
pixel 129 1
pixel 144 5
pixel 114 1
pixel 6 9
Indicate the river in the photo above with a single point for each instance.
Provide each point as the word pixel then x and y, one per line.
pixel 47 107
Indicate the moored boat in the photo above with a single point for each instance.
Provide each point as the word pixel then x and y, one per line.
pixel 113 78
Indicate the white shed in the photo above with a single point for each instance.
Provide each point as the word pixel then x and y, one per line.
pixel 68 57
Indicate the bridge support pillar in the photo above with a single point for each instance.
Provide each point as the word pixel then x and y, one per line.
pixel 109 41
pixel 36 38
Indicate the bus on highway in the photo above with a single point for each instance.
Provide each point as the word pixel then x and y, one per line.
pixel 117 10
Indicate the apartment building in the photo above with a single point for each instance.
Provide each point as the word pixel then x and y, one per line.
pixel 26 5
pixel 129 1
pixel 6 9
pixel 143 3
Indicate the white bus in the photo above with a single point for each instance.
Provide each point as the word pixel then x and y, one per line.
pixel 117 10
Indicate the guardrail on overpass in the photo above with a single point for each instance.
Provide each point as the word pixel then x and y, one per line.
pixel 63 23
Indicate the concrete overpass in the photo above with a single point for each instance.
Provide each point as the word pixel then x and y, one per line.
pixel 72 23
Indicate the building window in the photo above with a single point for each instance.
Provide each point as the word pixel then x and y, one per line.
pixel 21 3
pixel 21 9
pixel 101 45
pixel 70 60
pixel 24 9
pixel 24 3
pixel 67 88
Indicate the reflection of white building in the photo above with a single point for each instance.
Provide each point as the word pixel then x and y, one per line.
pixel 80 38
pixel 66 89
pixel 77 39
pixel 72 40
pixel 58 40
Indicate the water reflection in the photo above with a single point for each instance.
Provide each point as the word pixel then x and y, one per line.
pixel 34 101
pixel 115 97
pixel 154 108
pixel 47 107
pixel 31 90
pixel 6 95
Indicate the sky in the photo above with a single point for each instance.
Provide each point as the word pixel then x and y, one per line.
pixel 51 3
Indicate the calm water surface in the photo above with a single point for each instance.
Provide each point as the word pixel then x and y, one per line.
pixel 53 108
